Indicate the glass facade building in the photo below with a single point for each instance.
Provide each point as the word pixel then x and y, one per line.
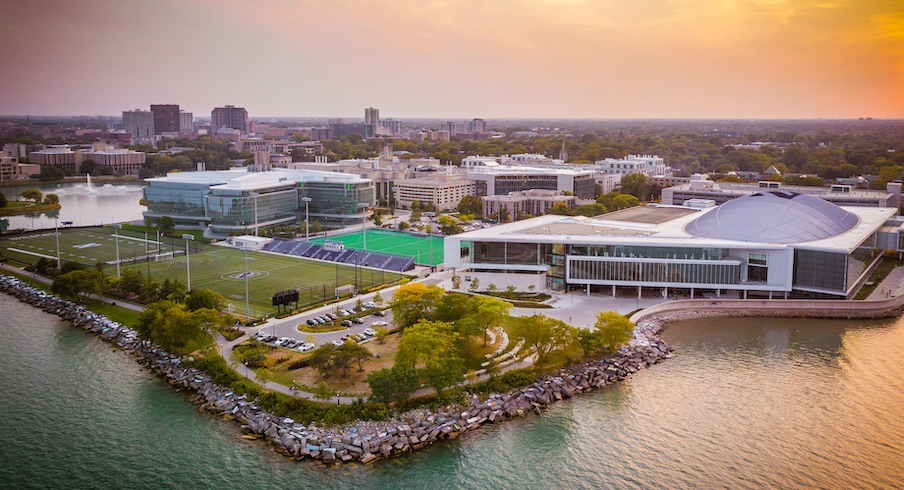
pixel 238 202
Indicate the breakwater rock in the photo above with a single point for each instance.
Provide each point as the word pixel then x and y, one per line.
pixel 359 441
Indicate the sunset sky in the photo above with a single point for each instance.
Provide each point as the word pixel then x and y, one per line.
pixel 462 58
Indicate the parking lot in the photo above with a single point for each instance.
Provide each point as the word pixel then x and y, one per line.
pixel 287 328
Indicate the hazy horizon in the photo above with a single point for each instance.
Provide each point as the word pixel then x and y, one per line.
pixel 531 59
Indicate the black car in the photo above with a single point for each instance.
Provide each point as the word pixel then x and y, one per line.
pixel 357 321
pixel 311 322
pixel 346 323
pixel 380 313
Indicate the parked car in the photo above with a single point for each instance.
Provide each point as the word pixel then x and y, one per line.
pixel 337 343
pixel 305 347
pixel 379 313
pixel 344 312
pixel 332 316
pixel 323 319
pixel 370 304
pixel 357 321
pixel 311 322
pixel 346 323
pixel 380 323
pixel 370 332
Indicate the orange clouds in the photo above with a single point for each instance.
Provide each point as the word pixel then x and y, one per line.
pixel 554 58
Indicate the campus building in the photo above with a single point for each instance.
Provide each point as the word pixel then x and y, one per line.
pixel 494 179
pixel 58 156
pixel 700 187
pixel 240 201
pixel 768 244
pixel 120 161
pixel 649 165
pixel 444 192
pixel 229 117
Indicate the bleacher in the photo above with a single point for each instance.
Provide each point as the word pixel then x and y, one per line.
pixel 302 248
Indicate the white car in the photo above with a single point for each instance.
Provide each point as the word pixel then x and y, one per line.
pixel 380 323
pixel 337 343
pixel 370 332
pixel 370 304
pixel 305 347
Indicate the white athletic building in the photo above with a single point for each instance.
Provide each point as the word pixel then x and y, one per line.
pixel 768 244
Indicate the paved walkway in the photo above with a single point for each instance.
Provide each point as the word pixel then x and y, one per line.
pixel 48 281
pixel 891 286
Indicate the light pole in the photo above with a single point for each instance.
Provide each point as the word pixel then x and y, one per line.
pixel 116 228
pixel 247 304
pixel 395 204
pixel 187 237
pixel 56 227
pixel 254 195
pixel 306 200
pixel 363 205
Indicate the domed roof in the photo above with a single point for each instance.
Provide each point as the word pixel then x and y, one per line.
pixel 774 217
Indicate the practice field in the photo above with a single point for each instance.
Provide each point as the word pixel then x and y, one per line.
pixel 221 269
pixel 395 243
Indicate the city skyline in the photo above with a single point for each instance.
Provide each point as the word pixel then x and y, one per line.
pixel 540 59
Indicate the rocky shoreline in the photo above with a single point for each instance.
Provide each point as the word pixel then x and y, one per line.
pixel 361 441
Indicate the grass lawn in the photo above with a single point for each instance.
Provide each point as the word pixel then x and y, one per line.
pixel 215 267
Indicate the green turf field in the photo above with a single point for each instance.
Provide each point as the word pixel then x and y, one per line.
pixel 395 243
pixel 215 267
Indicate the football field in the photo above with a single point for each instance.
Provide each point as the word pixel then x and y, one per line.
pixel 222 269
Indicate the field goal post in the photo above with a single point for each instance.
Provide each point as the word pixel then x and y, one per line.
pixel 163 256
pixel 347 289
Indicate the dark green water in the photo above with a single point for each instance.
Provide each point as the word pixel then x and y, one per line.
pixel 744 404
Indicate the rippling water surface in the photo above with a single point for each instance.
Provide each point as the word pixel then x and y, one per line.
pixel 744 404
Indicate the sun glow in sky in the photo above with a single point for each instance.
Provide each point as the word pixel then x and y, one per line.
pixel 457 58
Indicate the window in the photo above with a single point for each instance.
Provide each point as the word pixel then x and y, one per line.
pixel 757 270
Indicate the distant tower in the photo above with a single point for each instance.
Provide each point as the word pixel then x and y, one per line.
pixel 563 153
pixel 371 121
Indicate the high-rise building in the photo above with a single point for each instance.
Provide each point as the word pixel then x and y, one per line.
pixel 393 125
pixel 186 122
pixel 477 126
pixel 139 124
pixel 229 117
pixel 166 118
pixel 371 121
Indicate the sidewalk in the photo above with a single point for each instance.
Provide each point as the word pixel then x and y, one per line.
pixel 891 286
pixel 48 281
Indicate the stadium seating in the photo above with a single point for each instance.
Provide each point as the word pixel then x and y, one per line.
pixel 302 248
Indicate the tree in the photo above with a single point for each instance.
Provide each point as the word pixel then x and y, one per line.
pixel 489 312
pixel 504 215
pixel 424 341
pixel 323 391
pixel 378 299
pixel 636 185
pixel 492 288
pixel 89 167
pixel 165 224
pixel 624 201
pixel 470 205
pixel 382 334
pixel 78 284
pixel 321 359
pixel 611 331
pixel 45 266
pixel 130 281
pixel 51 199
pixel 413 302
pixel 3 200
pixel 444 372
pixel 415 211
pixel 475 285
pixel 456 281
pixel 200 298
pixel 543 336
pixel 31 195
pixel 403 225
pixel 172 326
pixel 356 353
pixel 50 173
pixel 315 227
pixel 449 226
pixel 395 384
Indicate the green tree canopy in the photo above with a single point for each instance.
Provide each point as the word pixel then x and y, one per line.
pixel 395 384
pixel 172 326
pixel 200 298
pixel 78 284
pixel 444 372
pixel 635 184
pixel 544 336
pixel 32 195
pixel 51 199
pixel 414 301
pixel 609 333
pixel 424 341
pixel 470 205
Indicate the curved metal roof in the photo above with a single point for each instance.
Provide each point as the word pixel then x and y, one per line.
pixel 774 217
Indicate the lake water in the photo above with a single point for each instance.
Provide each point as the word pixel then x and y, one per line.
pixel 743 404
pixel 83 204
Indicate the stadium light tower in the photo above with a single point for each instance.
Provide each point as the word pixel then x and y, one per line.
pixel 247 304
pixel 306 200
pixel 56 227
pixel 363 205
pixel 116 228
pixel 187 237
